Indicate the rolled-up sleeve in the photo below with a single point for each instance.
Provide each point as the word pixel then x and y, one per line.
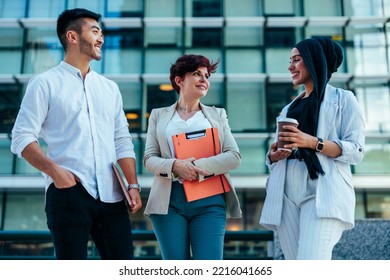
pixel 352 131
pixel 31 116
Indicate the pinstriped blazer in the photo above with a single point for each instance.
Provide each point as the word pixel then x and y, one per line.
pixel 340 120
pixel 159 160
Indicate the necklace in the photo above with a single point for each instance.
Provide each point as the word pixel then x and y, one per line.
pixel 180 109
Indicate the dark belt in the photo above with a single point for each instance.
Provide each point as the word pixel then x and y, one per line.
pixel 295 154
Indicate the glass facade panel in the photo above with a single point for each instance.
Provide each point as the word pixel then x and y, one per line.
pixel 1 210
pixel 375 102
pixel 6 157
pixel 122 61
pixel 25 211
pixel 132 104
pixel 14 37
pixel 9 99
pixel 45 8
pixel 96 65
pixel 244 106
pixel 12 9
pixel 166 8
pixel 328 8
pixel 277 60
pixel 279 7
pixel 336 33
pixel 214 96
pixel 364 8
pixel 203 8
pixel 160 60
pixel 252 156
pixel 97 5
pixel 38 60
pixel 123 38
pixel 360 207
pixel 43 50
pixel 252 8
pixel 366 61
pixel 10 62
pixel 243 36
pixel 376 159
pixel 252 204
pixel 378 205
pixel 163 37
pixel 244 61
pixel 386 7
pixel 278 95
pixel 125 8
pixel 369 45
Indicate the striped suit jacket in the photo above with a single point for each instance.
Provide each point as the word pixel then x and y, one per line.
pixel 340 120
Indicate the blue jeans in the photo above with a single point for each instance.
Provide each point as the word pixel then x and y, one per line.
pixel 73 216
pixel 197 227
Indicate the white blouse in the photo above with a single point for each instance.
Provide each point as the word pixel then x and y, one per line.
pixel 177 125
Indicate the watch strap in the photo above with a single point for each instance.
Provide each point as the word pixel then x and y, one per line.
pixel 320 144
pixel 134 186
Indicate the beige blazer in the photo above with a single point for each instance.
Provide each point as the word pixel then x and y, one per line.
pixel 159 160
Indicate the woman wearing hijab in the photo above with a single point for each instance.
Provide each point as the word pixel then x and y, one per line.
pixel 310 196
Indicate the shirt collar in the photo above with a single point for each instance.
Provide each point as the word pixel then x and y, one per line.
pixel 72 69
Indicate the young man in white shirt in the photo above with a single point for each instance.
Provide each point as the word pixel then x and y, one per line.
pixel 79 114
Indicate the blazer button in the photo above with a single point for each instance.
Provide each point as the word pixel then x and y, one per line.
pixel 163 174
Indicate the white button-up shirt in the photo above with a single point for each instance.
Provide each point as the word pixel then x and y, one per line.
pixel 82 123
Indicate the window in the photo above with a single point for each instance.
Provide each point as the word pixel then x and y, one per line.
pixel 123 38
pixel 278 95
pixel 206 8
pixel 12 9
pixel 9 106
pixel 279 37
pixel 245 106
pixel 6 156
pixel 45 8
pixel 125 8
pixel 132 100
pixel 206 37
pixel 43 50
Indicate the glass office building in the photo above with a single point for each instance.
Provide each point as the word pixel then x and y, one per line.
pixel 252 39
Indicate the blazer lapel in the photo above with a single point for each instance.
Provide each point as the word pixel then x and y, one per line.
pixel 328 111
pixel 165 117
pixel 212 116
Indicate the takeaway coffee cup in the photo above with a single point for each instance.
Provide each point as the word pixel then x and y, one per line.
pixel 281 122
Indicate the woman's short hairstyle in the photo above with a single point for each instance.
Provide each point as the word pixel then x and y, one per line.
pixel 190 63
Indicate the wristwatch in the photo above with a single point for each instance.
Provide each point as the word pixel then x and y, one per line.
pixel 320 145
pixel 134 186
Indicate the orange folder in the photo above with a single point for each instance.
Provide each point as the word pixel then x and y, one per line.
pixel 200 144
pixel 122 184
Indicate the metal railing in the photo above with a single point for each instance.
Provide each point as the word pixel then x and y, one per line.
pixel 25 245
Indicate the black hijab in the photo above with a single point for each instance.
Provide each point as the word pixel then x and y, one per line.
pixel 322 57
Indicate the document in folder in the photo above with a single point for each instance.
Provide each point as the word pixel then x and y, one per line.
pixel 122 185
pixel 200 144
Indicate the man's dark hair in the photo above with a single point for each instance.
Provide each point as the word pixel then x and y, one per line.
pixel 73 20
